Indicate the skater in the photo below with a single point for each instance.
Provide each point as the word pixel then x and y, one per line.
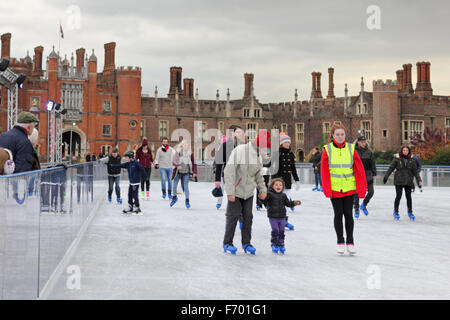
pixel 113 174
pixel 405 171
pixel 223 154
pixel 184 167
pixel 287 169
pixel 315 159
pixel 242 176
pixel 164 162
pixel 277 201
pixel 136 173
pixel 368 160
pixel 145 157
pixel 343 175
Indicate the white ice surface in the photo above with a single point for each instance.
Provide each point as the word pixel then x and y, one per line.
pixel 174 253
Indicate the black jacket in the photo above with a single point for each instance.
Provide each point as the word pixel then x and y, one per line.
pixel 315 159
pixel 404 172
pixel 136 171
pixel 277 203
pixel 368 160
pixel 114 171
pixel 286 167
pixel 16 140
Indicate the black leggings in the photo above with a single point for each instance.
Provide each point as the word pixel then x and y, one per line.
pixel 399 190
pixel 146 182
pixel 343 207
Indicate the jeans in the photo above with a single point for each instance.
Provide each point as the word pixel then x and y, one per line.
pixel 369 195
pixel 166 174
pixel 185 182
pixel 111 181
pixel 133 198
pixel 318 180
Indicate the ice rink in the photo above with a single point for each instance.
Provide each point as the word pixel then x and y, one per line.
pixel 175 253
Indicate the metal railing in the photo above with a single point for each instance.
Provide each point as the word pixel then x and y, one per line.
pixel 41 214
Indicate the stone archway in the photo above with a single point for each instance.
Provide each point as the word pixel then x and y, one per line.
pixel 79 144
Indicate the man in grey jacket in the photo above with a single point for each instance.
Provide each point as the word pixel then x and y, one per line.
pixel 242 176
pixel 164 162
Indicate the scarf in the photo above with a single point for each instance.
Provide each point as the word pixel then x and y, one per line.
pixel 165 148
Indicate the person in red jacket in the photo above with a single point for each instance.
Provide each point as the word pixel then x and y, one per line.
pixel 342 201
pixel 145 158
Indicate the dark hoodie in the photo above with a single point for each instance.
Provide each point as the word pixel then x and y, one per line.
pixel 405 170
pixel 277 203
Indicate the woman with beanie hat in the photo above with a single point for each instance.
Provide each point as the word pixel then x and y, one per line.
pixel 145 158
pixel 287 169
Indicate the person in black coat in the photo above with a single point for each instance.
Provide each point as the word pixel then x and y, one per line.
pixel 405 171
pixel 370 168
pixel 315 159
pixel 276 202
pixel 16 140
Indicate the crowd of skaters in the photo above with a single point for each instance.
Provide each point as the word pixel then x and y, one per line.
pixel 343 171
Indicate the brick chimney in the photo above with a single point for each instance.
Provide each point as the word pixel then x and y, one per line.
pixel 248 77
pixel 423 86
pixel 407 83
pixel 6 45
pixel 314 83
pixel 175 81
pixel 38 52
pixel 188 89
pixel 80 58
pixel 110 64
pixel 330 84
pixel 400 79
pixel 318 88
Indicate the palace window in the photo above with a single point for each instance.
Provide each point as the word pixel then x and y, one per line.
pixel 163 129
pixel 326 128
pixel 300 132
pixel 366 126
pixel 107 106
pixel 284 128
pixel 106 130
pixel 252 130
pixel 246 113
pixel 221 127
pixel 106 150
pixel 410 128
pixel 257 113
pixel 72 100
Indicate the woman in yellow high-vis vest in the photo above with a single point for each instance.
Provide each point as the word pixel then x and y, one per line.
pixel 343 176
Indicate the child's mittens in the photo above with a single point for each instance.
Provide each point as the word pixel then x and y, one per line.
pixel 297 185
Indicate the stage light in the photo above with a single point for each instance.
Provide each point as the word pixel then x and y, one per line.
pixel 20 80
pixel 50 105
pixel 4 64
pixel 63 111
pixel 57 106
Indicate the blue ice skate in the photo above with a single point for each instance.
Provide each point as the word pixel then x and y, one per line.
pixel 356 213
pixel 292 209
pixel 275 249
pixel 249 248
pixel 282 249
pixel 396 215
pixel 164 195
pixel 109 199
pixel 321 189
pixel 315 189
pixel 229 247
pixel 218 206
pixel 289 226
pixel 188 205
pixel 258 207
pixel 411 216
pixel 119 201
pixel 174 200
pixel 363 208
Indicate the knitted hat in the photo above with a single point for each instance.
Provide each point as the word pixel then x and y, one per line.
pixel 263 139
pixel 144 142
pixel 284 138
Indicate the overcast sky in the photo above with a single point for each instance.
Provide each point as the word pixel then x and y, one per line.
pixel 216 42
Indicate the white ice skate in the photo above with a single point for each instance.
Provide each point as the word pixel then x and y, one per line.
pixel 351 249
pixel 340 248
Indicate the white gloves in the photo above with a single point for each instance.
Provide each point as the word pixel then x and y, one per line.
pixel 297 185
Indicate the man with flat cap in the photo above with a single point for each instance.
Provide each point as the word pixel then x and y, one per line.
pixel 17 142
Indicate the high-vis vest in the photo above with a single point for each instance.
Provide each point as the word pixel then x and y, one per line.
pixel 340 164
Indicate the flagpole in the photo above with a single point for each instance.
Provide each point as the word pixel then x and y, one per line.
pixel 59 38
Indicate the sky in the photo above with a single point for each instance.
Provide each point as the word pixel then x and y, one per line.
pixel 216 42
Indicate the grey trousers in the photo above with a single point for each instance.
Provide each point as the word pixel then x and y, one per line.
pixel 239 207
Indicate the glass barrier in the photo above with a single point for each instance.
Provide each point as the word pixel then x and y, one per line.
pixel 41 213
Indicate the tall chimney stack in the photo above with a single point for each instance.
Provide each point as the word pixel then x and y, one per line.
pixel 400 80
pixel 248 84
pixel 38 52
pixel 175 81
pixel 423 86
pixel 407 83
pixel 6 45
pixel 330 84
pixel 188 88
pixel 314 83
pixel 319 90
pixel 110 64
pixel 80 59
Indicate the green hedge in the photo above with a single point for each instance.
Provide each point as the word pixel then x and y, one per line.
pixel 442 157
